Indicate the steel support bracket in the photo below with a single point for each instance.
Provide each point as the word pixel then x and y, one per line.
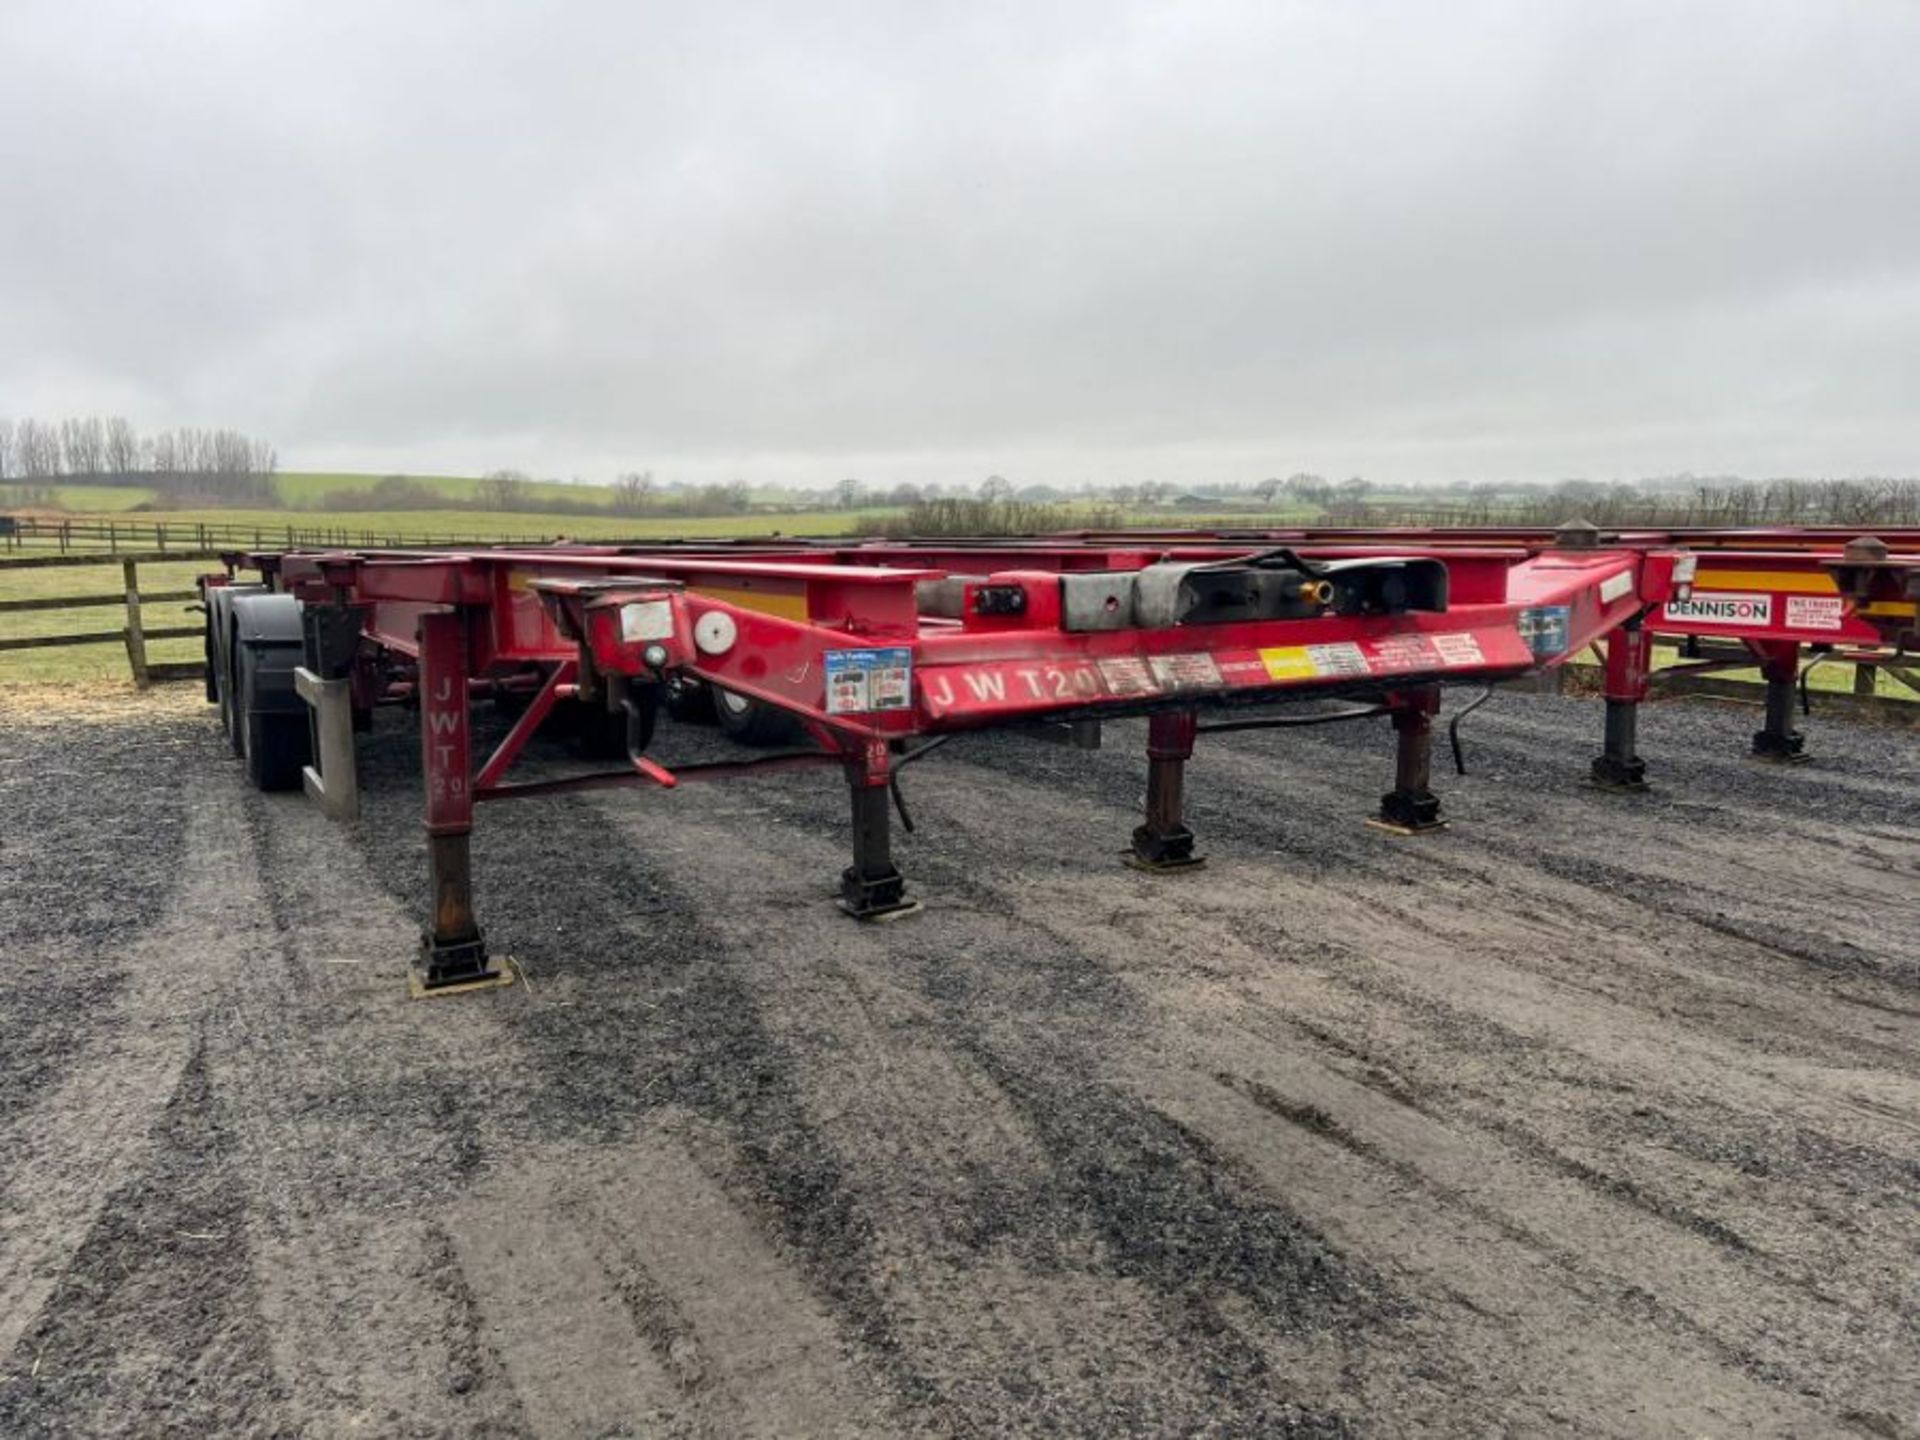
pixel 334 784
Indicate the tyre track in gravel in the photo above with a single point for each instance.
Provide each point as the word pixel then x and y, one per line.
pixel 1586 1116
pixel 362 1118
pixel 1056 1250
pixel 679 1015
pixel 86 1133
pixel 1086 906
pixel 75 893
pixel 447 1144
pixel 1396 1363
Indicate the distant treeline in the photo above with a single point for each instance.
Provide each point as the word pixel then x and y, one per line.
pixel 513 491
pixel 1660 504
pixel 185 465
pixel 992 517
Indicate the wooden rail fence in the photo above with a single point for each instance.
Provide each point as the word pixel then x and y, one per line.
pixel 110 538
pixel 134 634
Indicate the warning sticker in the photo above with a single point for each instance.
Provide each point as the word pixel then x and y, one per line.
pixel 1393 653
pixel 1459 649
pixel 1314 662
pixel 863 680
pixel 1186 672
pixel 1127 676
pixel 1715 607
pixel 1545 628
pixel 1816 612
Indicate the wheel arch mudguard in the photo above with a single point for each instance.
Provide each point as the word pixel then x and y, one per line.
pixel 269 647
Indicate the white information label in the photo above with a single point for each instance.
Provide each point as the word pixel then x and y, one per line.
pixel 1816 612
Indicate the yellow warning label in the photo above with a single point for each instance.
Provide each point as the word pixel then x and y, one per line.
pixel 1311 662
pixel 1289 662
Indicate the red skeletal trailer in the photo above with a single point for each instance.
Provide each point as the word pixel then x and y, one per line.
pixel 874 651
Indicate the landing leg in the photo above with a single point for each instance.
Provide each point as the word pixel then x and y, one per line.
pixel 872 888
pixel 453 954
pixel 1165 842
pixel 1411 807
pixel 1619 767
pixel 1779 741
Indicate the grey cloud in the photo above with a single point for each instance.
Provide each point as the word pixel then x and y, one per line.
pixel 1064 241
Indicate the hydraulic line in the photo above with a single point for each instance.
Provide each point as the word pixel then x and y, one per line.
pixel 1453 729
pixel 893 777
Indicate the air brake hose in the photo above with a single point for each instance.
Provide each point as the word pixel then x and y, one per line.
pixel 1453 730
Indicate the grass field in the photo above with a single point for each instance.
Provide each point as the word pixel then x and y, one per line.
pixel 305 490
pixel 104 664
pixel 370 526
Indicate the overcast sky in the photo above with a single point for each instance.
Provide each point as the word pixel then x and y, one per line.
pixel 1053 240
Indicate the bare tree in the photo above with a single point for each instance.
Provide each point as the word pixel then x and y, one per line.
pixel 6 450
pixel 847 494
pixel 506 489
pixel 38 446
pixel 85 443
pixel 122 447
pixel 632 491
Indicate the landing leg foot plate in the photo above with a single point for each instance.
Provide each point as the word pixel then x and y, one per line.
pixel 1393 827
pixel 1134 860
pixel 419 989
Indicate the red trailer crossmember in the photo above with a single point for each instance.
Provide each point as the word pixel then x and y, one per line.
pixel 863 646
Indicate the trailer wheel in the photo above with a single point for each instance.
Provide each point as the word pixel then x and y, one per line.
pixel 275 746
pixel 209 676
pixel 597 733
pixel 230 708
pixel 690 702
pixel 751 721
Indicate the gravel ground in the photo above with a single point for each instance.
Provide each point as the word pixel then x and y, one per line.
pixel 1595 1114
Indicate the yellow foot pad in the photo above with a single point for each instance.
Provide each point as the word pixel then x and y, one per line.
pixel 1160 867
pixel 1392 829
pixel 487 982
pixel 881 917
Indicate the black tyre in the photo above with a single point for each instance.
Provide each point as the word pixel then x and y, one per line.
pixel 223 660
pixel 275 745
pixel 230 708
pixel 593 731
pixel 211 675
pixel 751 722
pixel 690 702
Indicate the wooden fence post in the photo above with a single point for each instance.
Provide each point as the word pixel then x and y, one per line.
pixel 136 638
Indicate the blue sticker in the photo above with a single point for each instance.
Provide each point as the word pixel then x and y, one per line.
pixel 863 680
pixel 1545 628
